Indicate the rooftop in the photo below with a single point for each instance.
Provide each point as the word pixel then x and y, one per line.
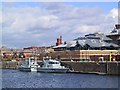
pixel 115 31
pixel 93 40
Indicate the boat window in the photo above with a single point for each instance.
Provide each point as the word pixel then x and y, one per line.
pixel 26 63
pixel 53 63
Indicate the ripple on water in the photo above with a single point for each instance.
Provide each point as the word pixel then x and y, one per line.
pixel 17 79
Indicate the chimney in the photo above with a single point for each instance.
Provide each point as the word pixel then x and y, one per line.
pixel 59 41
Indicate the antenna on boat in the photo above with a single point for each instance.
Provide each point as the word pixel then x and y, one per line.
pixel 35 58
pixel 43 58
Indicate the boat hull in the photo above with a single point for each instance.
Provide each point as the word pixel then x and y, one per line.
pixel 25 69
pixel 52 70
pixel 45 70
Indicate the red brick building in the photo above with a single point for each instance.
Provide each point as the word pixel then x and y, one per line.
pixel 59 41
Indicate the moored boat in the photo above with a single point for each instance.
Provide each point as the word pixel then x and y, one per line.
pixel 48 66
pixel 52 66
pixel 29 65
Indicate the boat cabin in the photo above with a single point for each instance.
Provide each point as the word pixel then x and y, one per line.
pixel 51 63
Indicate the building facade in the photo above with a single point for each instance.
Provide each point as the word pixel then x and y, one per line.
pixel 93 47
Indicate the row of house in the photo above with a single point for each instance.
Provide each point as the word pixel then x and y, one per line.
pixel 22 53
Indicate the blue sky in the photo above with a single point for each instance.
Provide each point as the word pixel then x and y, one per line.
pixel 44 22
pixel 105 5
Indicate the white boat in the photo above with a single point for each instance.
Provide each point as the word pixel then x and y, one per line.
pixel 52 66
pixel 29 65
pixel 48 65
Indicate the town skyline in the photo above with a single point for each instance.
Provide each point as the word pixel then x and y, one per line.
pixel 39 24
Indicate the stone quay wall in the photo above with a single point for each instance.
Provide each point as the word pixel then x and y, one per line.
pixel 110 68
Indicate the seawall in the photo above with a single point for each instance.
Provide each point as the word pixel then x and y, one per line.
pixel 10 64
pixel 110 68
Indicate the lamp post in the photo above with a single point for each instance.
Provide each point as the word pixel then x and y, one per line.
pixel 86 54
pixel 110 56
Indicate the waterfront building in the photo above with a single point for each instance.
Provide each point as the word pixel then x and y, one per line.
pixel 34 51
pixel 95 41
pixel 86 55
pixel 9 53
pixel 94 47
pixel 115 35
pixel 20 54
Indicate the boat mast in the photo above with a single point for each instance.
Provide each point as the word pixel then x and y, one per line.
pixel 35 54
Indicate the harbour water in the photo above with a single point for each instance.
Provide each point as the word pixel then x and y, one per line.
pixel 17 79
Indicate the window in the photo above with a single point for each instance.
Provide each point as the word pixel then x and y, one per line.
pixel 93 40
pixel 101 41
pixel 53 63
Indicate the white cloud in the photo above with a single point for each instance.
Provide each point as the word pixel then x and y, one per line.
pixel 24 26
pixel 86 29
pixel 49 21
pixel 114 13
